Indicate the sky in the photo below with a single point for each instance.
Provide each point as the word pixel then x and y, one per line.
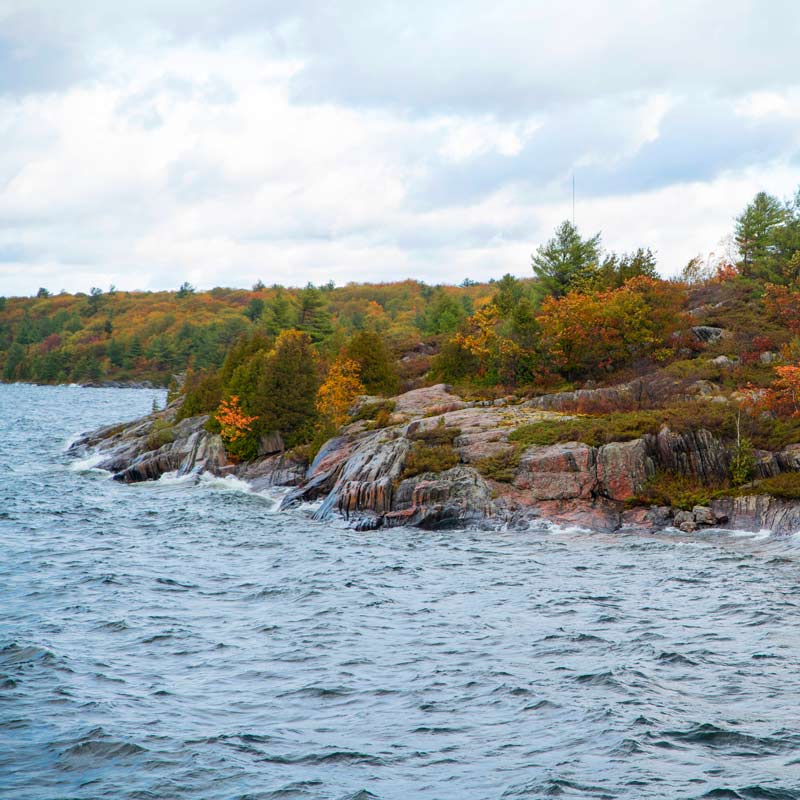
pixel 220 143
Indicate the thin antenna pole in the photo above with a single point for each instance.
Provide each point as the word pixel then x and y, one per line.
pixel 573 199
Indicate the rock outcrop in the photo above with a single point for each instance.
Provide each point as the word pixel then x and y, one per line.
pixel 362 476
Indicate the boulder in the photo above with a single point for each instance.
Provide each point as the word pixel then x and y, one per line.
pixel 703 515
pixel 708 334
pixel 623 468
pixel 455 498
pixel 428 400
pixel 558 472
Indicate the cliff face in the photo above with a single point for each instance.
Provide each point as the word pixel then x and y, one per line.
pixel 362 475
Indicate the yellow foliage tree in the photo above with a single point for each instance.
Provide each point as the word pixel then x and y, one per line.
pixel 339 391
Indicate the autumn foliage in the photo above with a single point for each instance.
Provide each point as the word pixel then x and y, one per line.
pixel 340 389
pixel 783 396
pixel 234 423
pixel 591 333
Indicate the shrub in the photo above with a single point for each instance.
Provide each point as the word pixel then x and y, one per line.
pixel 719 418
pixel 371 411
pixel 743 463
pixel 501 467
pixel 161 433
pixel 786 486
pixel 438 434
pixel 678 491
pixel 429 458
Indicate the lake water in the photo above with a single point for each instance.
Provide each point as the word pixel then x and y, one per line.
pixel 184 640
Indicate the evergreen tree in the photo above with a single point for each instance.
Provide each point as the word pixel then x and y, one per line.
pixel 755 236
pixel 314 318
pixel 280 314
pixel 14 368
pixel 564 260
pixel 254 310
pixel 287 388
pixel 377 372
pixel 116 353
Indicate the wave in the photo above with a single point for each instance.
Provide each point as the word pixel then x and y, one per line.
pixel 89 463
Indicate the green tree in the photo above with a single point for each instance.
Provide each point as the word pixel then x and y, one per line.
pixel 564 259
pixel 15 368
pixel 279 315
pixel 377 371
pixel 616 269
pixel 755 235
pixel 314 318
pixel 254 309
pixel 279 388
pixel 95 298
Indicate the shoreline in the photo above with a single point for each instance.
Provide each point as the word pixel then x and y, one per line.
pixel 365 476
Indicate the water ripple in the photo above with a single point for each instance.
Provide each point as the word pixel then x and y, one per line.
pixel 178 641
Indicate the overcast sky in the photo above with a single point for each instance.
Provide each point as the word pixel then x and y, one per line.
pixel 220 142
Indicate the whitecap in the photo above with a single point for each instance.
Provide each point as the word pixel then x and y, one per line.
pixel 88 463
pixel 225 483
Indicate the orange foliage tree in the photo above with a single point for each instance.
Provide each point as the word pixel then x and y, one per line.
pixel 783 303
pixel 592 332
pixel 235 427
pixel 339 391
pixel 783 396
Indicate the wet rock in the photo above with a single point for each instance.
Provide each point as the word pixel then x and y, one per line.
pixel 703 515
pixel 679 517
pixel 759 512
pixel 367 477
pixel 457 497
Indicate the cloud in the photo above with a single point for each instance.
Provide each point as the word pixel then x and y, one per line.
pixel 148 144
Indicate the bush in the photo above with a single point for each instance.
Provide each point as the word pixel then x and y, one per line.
pixel 743 463
pixel 161 433
pixel 438 434
pixel 678 491
pixel 371 411
pixel 429 458
pixel 786 486
pixel 501 467
pixel 684 417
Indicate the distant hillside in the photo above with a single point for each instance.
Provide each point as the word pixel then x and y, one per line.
pixel 135 336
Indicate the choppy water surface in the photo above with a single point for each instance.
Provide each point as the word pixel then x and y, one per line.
pixel 183 641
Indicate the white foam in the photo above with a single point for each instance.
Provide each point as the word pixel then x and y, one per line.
pixel 88 463
pixel 175 479
pixel 225 483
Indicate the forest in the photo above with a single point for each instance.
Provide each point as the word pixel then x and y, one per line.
pixel 291 361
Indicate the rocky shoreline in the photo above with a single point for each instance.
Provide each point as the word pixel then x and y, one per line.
pixel 362 475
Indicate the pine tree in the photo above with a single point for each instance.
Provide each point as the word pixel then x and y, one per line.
pixel 314 318
pixel 377 369
pixel 564 259
pixel 755 235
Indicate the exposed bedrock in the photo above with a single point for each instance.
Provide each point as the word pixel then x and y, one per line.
pixel 361 476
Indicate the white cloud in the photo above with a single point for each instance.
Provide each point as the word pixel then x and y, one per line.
pixel 302 141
